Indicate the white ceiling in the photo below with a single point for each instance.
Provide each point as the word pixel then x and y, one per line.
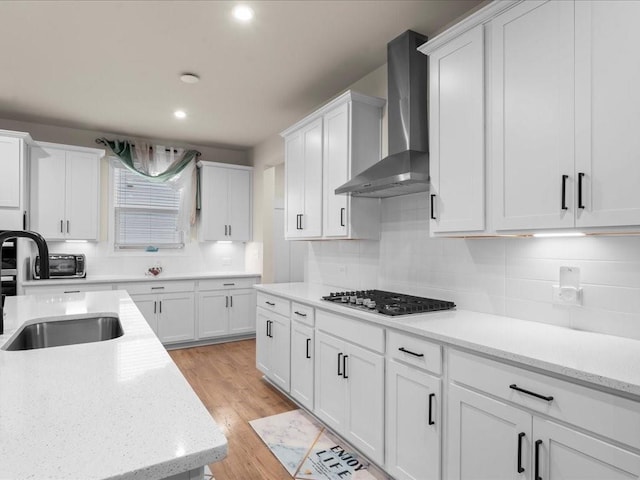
pixel 113 66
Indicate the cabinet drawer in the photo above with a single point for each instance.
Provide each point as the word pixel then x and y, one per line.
pixel 224 283
pixel 157 287
pixel 415 351
pixel 274 304
pixel 354 331
pixel 61 289
pixel 603 413
pixel 303 313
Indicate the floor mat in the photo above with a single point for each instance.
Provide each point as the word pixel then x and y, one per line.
pixel 311 452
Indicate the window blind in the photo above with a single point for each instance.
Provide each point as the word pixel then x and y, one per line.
pixel 146 213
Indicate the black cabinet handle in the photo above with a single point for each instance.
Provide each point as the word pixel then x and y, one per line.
pixel 67 226
pixel 339 361
pixel 513 386
pixel 299 221
pixel 160 306
pixel 432 197
pixel 267 332
pixel 564 192
pixel 536 474
pixel 228 284
pixel 342 210
pixel 344 366
pixel 402 349
pixel 308 343
pixel 431 420
pixel 157 288
pixel 72 291
pixel 520 437
pixel 580 177
pixel 229 230
pixel 301 314
pixel 270 303
pixel 226 302
pixel 225 231
pixel 61 226
pixel 155 306
pixel 24 220
pixel 231 301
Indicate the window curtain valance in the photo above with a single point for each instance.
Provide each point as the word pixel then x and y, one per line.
pixel 173 166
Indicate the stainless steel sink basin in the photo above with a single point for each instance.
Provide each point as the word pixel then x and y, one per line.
pixel 55 333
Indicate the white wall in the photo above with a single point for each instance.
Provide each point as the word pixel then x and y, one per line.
pixel 504 276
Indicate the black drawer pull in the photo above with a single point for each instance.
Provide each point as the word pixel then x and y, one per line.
pixel 564 192
pixel 270 303
pixel 228 284
pixel 342 210
pixel 157 288
pixel 72 291
pixel 339 362
pixel 308 343
pixel 536 475
pixel 520 437
pixel 301 314
pixel 513 386
pixel 344 366
pixel 431 397
pixel 402 349
pixel 432 197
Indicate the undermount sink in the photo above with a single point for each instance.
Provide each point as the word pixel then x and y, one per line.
pixel 55 333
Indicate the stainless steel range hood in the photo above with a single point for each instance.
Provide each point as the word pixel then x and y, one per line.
pixel 406 169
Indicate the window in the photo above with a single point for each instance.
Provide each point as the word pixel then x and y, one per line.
pixel 147 214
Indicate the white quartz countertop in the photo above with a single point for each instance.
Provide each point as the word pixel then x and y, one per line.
pixel 113 409
pixel 601 360
pixel 92 279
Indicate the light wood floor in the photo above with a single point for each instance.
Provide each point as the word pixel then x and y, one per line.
pixel 226 379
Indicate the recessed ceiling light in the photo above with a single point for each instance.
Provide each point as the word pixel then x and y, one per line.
pixel 189 78
pixel 180 114
pixel 243 13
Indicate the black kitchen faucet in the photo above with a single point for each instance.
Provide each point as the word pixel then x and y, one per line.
pixel 43 251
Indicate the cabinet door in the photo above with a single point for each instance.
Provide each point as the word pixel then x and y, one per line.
pixel 176 317
pixel 294 189
pixel 607 116
pixel 330 385
pixel 412 423
pixel 565 454
pixel 148 306
pixel 302 363
pixel 10 167
pixel 456 163
pixel 239 204
pixel 312 217
pixel 364 371
pixel 214 203
pixel 484 438
pixel 263 341
pixel 242 307
pixel 336 171
pixel 48 184
pixel 280 351
pixel 533 120
pixel 213 314
pixel 82 194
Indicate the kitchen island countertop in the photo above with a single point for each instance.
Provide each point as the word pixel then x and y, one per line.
pixel 113 409
pixel 593 358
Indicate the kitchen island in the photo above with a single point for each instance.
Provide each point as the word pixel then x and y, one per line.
pixel 113 409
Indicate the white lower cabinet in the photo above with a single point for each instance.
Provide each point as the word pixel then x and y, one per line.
pixel 273 346
pixel 302 361
pixel 349 391
pixel 226 312
pixel 413 427
pixel 515 435
pixel 170 315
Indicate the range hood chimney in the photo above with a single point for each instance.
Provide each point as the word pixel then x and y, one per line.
pixel 406 169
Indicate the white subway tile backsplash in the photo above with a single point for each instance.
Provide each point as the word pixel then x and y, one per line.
pixel 503 276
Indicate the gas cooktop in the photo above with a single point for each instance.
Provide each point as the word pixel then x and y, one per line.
pixel 387 303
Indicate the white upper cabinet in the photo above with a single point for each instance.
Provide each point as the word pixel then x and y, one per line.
pixel 607 173
pixel 533 120
pixel 322 152
pixel 226 202
pixel 65 191
pixel 456 135
pixel 13 181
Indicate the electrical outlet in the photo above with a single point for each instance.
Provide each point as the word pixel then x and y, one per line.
pixel 566 295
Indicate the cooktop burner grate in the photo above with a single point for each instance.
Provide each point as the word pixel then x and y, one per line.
pixel 388 303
